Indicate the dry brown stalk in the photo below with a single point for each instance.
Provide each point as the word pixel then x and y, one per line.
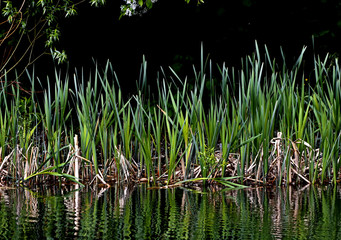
pixel 34 159
pixel 253 180
pixel 198 170
pixel 300 175
pixel 296 154
pixel 6 159
pixel 70 153
pixel 76 158
pixel 27 166
pixel 260 164
pixel 126 166
pixel 253 161
pixel 100 177
pixel 279 151
pixel 183 167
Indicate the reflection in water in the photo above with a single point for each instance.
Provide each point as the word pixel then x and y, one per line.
pixel 138 213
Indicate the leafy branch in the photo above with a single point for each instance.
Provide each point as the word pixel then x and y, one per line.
pixel 30 28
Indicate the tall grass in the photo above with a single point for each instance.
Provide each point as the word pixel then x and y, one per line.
pixel 266 123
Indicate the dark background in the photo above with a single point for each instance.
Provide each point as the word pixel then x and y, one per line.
pixel 171 33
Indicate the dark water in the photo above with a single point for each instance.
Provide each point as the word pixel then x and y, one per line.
pixel 138 213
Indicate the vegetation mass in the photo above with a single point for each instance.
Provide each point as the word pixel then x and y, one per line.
pixel 268 122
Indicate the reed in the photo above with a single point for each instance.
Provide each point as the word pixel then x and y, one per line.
pixel 143 128
pixel 4 118
pixel 264 123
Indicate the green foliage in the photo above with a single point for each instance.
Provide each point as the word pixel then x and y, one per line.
pixel 207 159
pixel 199 1
pixel 97 3
pixel 268 126
pixel 26 24
pixel 139 7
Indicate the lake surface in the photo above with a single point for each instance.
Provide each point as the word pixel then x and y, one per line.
pixel 139 213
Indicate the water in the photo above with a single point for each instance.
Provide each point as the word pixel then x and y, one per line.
pixel 138 213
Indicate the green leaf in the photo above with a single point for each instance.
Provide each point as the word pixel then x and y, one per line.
pixel 97 3
pixel 141 3
pixel 224 181
pixel 43 173
pixel 72 178
pixel 249 140
pixel 149 4
pixel 71 11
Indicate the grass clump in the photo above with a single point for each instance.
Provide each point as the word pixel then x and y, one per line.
pixel 261 124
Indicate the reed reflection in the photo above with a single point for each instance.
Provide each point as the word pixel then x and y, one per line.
pixel 124 212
